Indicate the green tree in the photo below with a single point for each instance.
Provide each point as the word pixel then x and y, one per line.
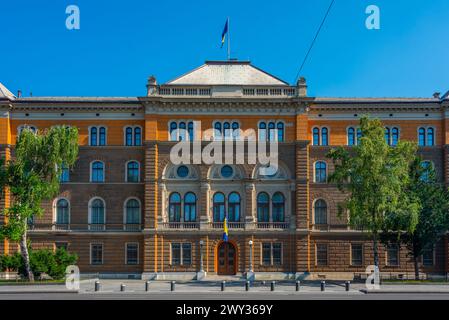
pixel 32 176
pixel 433 216
pixel 375 176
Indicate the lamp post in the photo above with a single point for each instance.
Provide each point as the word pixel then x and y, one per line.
pixel 201 256
pixel 250 242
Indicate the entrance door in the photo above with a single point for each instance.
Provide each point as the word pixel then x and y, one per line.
pixel 226 259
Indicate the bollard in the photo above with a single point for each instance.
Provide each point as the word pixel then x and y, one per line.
pixel 247 285
pixel 347 285
pixel 223 285
pixel 147 286
pixel 172 286
pixel 97 286
pixel 273 283
pixel 323 285
pixel 122 287
pixel 298 284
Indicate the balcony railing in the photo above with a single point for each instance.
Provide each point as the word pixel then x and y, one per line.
pixel 231 225
pixel 180 225
pixel 95 227
pixel 335 227
pixel 272 225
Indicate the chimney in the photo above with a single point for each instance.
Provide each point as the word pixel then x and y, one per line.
pixel 151 86
pixel 301 87
pixel 19 93
pixel 436 95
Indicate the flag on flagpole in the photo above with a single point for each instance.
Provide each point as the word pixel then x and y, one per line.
pixel 224 33
pixel 225 230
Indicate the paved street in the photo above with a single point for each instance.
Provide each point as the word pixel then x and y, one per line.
pixel 135 289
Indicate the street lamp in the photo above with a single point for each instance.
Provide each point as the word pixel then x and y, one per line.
pixel 201 256
pixel 250 242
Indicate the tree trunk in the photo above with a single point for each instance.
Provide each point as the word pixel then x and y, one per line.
pixel 376 250
pixel 416 262
pixel 26 256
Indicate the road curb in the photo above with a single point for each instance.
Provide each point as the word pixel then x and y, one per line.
pixel 38 291
pixel 401 292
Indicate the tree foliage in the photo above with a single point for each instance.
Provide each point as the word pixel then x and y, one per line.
pixel 375 176
pixel 32 176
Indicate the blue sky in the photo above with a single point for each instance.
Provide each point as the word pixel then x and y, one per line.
pixel 121 43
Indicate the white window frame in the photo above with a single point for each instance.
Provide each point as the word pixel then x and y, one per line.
pixel 89 220
pixel 55 208
pixel 126 171
pixel 271 253
pixel 90 253
pixel 98 135
pixel 133 136
pixel 314 171
pixel 126 253
pixel 124 209
pixel 181 262
pixel 91 171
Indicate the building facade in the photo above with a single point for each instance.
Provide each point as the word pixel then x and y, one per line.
pixel 128 211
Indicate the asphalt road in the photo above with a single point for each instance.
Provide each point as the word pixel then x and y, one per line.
pixel 223 296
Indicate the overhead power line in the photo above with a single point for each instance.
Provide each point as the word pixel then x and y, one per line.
pixel 314 39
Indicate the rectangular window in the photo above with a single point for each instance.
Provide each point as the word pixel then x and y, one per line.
pixel 181 253
pixel 266 253
pixel 186 254
pixel 65 174
pixel 96 253
pixel 132 253
pixel 277 254
pixel 427 257
pixel 321 254
pixel 393 255
pixel 271 253
pixel 356 254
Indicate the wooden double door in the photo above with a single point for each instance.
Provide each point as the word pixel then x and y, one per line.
pixel 227 259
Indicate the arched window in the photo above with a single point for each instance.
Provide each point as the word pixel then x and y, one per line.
pixel 394 136
pixel 190 207
pixel 235 129
pixel 359 135
pixel 219 207
pixel 262 131
pixel 62 211
pixel 430 136
pixel 351 137
pixel 217 130
pixel 132 212
pixel 93 136
pixel 129 136
pixel 182 131
pixel 263 207
pixel 97 172
pixel 190 131
pixel 174 207
pixel 97 212
pixel 137 136
pixel 280 127
pixel 173 131
pixel 320 172
pixel 388 136
pixel 324 136
pixel 271 131
pixel 316 136
pixel 102 136
pixel 234 207
pixel 227 130
pixel 278 210
pixel 421 137
pixel 320 210
pixel 132 171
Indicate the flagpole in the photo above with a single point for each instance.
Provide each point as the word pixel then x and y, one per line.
pixel 229 40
